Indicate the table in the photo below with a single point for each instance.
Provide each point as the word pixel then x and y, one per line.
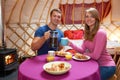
pixel 32 69
pixel 112 46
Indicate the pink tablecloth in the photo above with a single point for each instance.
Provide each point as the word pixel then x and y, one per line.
pixel 32 69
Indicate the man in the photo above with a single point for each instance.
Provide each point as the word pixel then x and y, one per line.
pixel 42 34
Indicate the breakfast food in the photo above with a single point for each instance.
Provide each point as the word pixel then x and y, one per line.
pixel 57 67
pixel 60 53
pixel 80 56
pixel 61 66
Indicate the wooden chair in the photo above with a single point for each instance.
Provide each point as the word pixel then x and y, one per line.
pixel 113 52
pixel 116 54
pixel 118 69
pixel 114 77
pixel 117 60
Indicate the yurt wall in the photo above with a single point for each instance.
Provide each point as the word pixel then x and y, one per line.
pixel 23 17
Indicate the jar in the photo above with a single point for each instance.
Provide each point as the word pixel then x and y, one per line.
pixel 53 43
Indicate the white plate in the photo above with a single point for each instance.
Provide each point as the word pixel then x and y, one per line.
pixel 57 72
pixel 88 57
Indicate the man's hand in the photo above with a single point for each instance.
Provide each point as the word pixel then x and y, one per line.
pixel 47 35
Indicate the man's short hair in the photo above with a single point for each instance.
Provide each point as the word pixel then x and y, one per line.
pixel 57 10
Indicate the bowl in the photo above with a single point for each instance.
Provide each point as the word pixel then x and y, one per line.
pixel 57 67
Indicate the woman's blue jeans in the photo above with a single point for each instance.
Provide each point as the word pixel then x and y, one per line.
pixel 107 72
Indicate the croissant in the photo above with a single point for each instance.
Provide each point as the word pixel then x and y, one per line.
pixel 80 56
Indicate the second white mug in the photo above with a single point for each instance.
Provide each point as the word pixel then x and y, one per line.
pixel 51 53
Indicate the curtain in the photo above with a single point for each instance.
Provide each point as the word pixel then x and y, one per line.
pixel 74 13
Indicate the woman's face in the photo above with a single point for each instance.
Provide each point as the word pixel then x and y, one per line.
pixel 89 20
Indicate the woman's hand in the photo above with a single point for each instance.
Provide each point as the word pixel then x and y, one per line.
pixel 69 42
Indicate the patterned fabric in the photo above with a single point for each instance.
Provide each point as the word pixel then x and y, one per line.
pixel 74 34
pixel 73 13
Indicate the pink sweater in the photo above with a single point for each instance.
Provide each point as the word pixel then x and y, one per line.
pixel 96 49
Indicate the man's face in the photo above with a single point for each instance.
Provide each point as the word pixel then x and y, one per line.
pixel 55 18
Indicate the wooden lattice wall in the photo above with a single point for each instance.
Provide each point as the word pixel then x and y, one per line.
pixel 23 17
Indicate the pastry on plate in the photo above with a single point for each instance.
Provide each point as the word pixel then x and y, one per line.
pixel 80 56
pixel 60 53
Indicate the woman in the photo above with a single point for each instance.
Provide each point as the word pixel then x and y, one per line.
pixel 94 44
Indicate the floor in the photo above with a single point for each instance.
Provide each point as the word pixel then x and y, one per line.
pixel 10 75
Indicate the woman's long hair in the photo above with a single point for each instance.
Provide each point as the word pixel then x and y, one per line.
pixel 89 35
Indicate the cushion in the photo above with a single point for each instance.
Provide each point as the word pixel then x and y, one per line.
pixel 74 34
pixel 69 34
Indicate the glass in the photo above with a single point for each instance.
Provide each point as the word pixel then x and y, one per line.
pixel 50 58
pixel 68 56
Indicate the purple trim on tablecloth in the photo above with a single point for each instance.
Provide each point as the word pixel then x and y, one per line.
pixel 32 69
